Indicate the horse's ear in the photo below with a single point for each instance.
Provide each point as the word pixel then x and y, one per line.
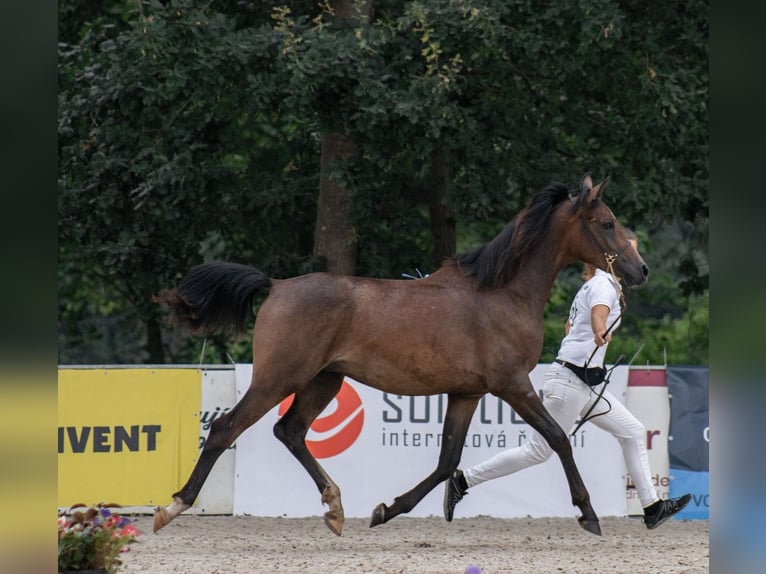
pixel 599 189
pixel 590 193
pixel 586 186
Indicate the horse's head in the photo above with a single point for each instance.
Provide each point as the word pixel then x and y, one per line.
pixel 598 238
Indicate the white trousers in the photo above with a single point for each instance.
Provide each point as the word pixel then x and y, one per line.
pixel 567 398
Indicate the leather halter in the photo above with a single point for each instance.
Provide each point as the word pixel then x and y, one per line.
pixel 610 258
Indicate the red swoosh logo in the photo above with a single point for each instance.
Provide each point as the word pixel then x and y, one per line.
pixel 337 430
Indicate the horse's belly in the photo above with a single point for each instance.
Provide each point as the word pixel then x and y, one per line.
pixel 416 380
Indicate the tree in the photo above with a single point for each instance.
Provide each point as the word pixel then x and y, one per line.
pixel 149 169
pixel 302 136
pixel 334 239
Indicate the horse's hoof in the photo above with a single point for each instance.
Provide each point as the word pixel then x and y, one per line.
pixel 161 518
pixel 378 515
pixel 590 525
pixel 164 514
pixel 333 522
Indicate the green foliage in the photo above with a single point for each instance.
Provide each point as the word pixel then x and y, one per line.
pixel 659 326
pixel 159 146
pixel 190 131
pixel 677 341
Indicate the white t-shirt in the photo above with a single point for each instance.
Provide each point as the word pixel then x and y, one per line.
pixel 578 345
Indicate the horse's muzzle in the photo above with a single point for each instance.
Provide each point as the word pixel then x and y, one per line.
pixel 637 277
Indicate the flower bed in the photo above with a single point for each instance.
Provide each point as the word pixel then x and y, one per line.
pixel 92 538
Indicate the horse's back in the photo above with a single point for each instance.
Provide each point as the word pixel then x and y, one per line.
pixel 327 301
pixel 383 332
pixel 332 298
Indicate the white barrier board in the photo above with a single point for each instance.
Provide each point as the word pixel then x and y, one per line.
pixel 647 399
pixel 377 446
pixel 219 395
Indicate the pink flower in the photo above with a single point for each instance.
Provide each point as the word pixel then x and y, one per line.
pixel 130 530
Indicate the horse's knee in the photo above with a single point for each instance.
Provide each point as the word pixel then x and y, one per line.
pixel 559 442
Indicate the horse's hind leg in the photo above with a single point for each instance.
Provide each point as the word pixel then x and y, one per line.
pixel 456 422
pixel 526 402
pixel 223 432
pixel 291 429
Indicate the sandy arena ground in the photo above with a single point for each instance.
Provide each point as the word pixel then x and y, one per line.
pixel 245 544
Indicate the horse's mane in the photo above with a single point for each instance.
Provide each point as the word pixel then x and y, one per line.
pixel 495 263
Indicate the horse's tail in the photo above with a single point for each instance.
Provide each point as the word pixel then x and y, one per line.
pixel 216 297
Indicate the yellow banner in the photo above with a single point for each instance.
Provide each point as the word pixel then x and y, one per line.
pixel 128 436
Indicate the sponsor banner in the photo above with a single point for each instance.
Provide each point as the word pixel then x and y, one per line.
pixel 695 483
pixel 219 395
pixel 648 401
pixel 128 436
pixel 689 422
pixel 688 448
pixel 377 446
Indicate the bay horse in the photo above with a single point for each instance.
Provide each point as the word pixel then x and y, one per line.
pixel 482 313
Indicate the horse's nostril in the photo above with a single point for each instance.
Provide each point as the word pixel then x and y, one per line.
pixel 645 269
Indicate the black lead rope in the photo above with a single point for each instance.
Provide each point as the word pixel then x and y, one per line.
pixel 600 396
pixel 610 259
pixel 607 376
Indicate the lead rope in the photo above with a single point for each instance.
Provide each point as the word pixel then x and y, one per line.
pixel 610 259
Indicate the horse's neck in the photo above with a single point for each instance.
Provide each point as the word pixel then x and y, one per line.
pixel 533 282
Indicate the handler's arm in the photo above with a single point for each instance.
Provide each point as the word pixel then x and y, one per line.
pixel 598 316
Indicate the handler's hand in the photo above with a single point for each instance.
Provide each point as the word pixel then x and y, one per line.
pixel 600 340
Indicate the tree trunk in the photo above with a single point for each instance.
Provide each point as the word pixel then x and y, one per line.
pixel 443 224
pixel 333 236
pixel 154 341
pixel 351 9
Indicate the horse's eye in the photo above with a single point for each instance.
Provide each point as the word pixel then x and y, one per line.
pixel 608 225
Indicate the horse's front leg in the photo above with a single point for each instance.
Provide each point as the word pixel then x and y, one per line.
pixel 456 421
pixel 526 402
pixel 291 430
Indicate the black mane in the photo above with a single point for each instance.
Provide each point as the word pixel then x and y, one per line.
pixel 495 263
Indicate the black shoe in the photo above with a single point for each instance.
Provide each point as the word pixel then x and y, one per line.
pixel 658 512
pixel 455 488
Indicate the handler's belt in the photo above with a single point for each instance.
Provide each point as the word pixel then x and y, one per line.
pixel 591 377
